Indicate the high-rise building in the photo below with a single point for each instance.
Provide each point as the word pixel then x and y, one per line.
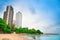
pixel 8 15
pixel 18 19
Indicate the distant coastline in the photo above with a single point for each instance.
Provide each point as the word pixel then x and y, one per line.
pixel 51 34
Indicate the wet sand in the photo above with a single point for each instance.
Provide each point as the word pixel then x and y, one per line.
pixel 13 37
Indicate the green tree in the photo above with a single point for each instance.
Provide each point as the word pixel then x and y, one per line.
pixel 2 24
pixel 32 31
pixel 26 30
pixel 4 28
pixel 7 29
pixel 39 32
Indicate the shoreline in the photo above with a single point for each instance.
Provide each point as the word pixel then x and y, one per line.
pixel 14 37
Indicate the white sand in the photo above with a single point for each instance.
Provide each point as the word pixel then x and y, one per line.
pixel 13 37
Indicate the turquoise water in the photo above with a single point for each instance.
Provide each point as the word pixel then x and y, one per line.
pixel 45 37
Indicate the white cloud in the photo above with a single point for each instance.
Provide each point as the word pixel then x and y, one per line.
pixel 37 20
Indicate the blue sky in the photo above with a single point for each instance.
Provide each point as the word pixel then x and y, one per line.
pixel 38 14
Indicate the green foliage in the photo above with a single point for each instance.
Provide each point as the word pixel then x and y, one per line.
pixel 6 29
pixel 39 32
pixel 2 24
pixel 2 21
pixel 20 30
pixel 32 31
pixel 28 31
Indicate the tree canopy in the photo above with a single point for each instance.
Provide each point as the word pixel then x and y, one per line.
pixel 28 31
pixel 5 28
pixel 2 24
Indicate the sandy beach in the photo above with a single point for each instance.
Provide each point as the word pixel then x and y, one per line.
pixel 13 37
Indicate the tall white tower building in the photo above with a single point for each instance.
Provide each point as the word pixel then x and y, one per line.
pixel 18 19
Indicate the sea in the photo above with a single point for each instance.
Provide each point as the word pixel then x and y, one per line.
pixel 44 37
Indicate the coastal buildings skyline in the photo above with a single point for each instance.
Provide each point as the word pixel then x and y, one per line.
pixel 8 17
